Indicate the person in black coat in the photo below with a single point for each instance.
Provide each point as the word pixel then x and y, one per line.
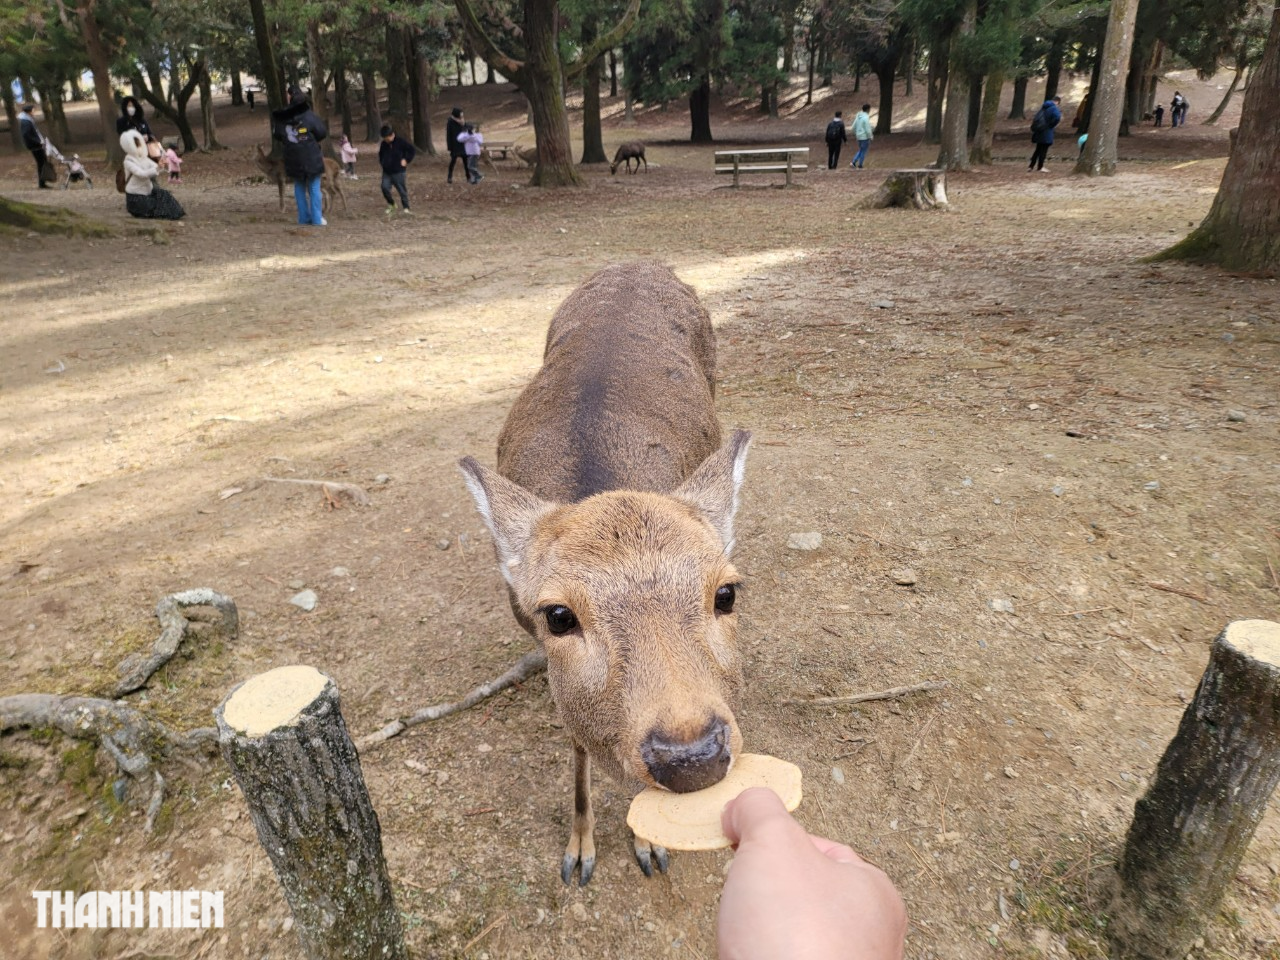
pixel 33 140
pixel 457 151
pixel 132 118
pixel 301 131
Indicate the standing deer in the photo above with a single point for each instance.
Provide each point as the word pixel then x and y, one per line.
pixel 330 180
pixel 631 150
pixel 612 513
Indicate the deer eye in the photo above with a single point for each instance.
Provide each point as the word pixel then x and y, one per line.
pixel 724 598
pixel 560 619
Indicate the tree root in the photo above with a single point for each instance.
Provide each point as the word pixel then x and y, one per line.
pixel 522 669
pixel 894 693
pixel 174 628
pixel 130 738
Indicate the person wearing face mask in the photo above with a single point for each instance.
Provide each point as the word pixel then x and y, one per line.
pixel 132 118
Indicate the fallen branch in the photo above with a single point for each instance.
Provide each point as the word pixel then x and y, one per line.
pixel 331 488
pixel 523 669
pixel 895 693
pixel 174 627
pixel 130 738
pixel 1170 588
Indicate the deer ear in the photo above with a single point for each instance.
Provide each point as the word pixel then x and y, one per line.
pixel 713 488
pixel 509 511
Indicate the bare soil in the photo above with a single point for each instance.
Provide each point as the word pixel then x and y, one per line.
pixel 997 403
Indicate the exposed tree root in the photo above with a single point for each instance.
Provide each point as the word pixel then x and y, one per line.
pixel 892 694
pixel 174 627
pixel 132 740
pixel 522 669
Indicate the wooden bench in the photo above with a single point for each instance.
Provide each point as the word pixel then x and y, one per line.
pixel 922 188
pixel 499 149
pixel 786 160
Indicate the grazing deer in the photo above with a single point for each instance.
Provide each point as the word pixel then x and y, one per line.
pixel 612 514
pixel 330 180
pixel 527 155
pixel 631 150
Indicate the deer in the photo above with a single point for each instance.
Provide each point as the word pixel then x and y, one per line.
pixel 631 150
pixel 612 514
pixel 330 180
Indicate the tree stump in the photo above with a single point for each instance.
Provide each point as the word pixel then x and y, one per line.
pixel 1192 827
pixel 285 740
pixel 920 189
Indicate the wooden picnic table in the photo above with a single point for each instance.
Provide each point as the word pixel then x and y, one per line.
pixel 762 160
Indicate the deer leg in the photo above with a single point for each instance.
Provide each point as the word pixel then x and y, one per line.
pixel 581 851
pixel 649 855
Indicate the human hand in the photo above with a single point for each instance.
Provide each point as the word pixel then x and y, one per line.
pixel 404 163
pixel 790 894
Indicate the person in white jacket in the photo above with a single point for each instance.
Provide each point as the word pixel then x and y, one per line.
pixel 862 133
pixel 142 198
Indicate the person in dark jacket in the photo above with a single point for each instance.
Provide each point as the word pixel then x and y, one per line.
pixel 836 138
pixel 33 140
pixel 457 151
pixel 394 155
pixel 1046 118
pixel 301 131
pixel 132 118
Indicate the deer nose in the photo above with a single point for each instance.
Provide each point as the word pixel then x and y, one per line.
pixel 685 766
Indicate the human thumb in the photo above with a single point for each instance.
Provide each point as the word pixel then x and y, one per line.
pixel 754 812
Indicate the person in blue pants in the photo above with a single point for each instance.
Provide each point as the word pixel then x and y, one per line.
pixel 301 131
pixel 862 133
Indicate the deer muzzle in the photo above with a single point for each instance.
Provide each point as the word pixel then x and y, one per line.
pixel 684 766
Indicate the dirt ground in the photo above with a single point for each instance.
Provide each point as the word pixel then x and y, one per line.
pixel 996 403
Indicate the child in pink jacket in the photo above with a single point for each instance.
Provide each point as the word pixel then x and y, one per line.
pixel 173 163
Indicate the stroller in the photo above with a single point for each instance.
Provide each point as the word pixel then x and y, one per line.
pixel 75 169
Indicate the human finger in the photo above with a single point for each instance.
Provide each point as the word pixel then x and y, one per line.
pixel 751 811
pixel 838 852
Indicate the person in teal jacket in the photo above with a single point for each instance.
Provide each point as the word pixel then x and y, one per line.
pixel 862 133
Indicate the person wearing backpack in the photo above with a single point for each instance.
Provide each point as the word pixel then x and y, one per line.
pixel 836 138
pixel 862 133
pixel 1046 118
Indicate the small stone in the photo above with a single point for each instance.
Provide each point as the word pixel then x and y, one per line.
pixel 297 584
pixel 287 925
pixel 1236 416
pixel 579 910
pixel 650 926
pixel 1151 486
pixel 883 304
pixel 1002 606
pixel 1228 338
pixel 305 600
pixel 382 478
pixel 967 482
pixel 1011 773
pixel 1033 406
pixel 1014 864
pixel 442 544
pixel 417 765
pixel 442 777
pixel 906 577
pixel 1057 491
pixel 837 775
pixel 804 541
pixel 485 748
pixel 340 572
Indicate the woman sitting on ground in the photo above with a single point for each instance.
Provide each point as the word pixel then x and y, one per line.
pixel 142 198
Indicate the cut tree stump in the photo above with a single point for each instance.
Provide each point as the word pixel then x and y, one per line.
pixel 285 740
pixel 921 189
pixel 1192 827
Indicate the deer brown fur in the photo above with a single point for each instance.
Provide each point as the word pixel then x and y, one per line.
pixel 330 180
pixel 612 509
pixel 631 150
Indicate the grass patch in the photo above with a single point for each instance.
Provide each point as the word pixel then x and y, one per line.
pixel 16 216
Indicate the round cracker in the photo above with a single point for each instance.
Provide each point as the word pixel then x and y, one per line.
pixel 691 821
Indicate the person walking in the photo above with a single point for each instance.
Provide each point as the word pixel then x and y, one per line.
pixel 1046 118
pixel 142 198
pixel 301 131
pixel 173 164
pixel 394 156
pixel 1159 114
pixel 457 151
pixel 837 137
pixel 862 133
pixel 473 141
pixel 348 152
pixel 33 140
pixel 1175 109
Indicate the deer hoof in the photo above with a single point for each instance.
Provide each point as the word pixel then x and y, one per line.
pixel 651 855
pixel 586 869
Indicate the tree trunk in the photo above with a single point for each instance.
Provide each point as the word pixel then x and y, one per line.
pixel 988 111
pixel 808 95
pixel 372 115
pixel 1192 827
pixel 1222 105
pixel 1153 80
pixel 55 117
pixel 1053 69
pixel 1131 109
pixel 909 61
pixel 1019 109
pixel 592 137
pixel 73 84
pixel 268 67
pixel 1086 114
pixel 397 74
pixel 542 80
pixel 422 80
pixel 315 60
pixel 613 73
pixel 11 113
pixel 100 63
pixel 884 115
pixel 975 104
pixel 342 95
pixel 1108 97
pixel 176 114
pixel 628 109
pixel 489 75
pixel 700 112
pixel 208 125
pixel 237 89
pixel 857 77
pixel 283 736
pixel 937 84
pixel 1242 230
pixel 954 154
